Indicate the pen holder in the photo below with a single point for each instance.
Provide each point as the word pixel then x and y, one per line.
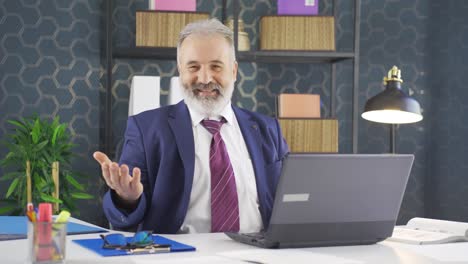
pixel 47 242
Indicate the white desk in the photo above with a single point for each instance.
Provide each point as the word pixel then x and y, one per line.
pixel 218 248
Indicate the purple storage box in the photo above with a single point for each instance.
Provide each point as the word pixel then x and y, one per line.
pixel 297 7
pixel 175 5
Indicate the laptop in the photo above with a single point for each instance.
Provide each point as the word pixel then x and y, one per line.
pixel 334 200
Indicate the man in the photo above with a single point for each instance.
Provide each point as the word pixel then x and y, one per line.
pixel 202 165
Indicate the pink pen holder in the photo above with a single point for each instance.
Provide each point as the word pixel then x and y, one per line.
pixel 47 242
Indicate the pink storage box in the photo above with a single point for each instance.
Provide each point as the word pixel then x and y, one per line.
pixel 298 7
pixel 174 5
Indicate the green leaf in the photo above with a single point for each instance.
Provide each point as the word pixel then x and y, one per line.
pixel 39 182
pixel 56 122
pixel 36 131
pixel 73 182
pixel 11 175
pixel 82 196
pixel 54 136
pixel 7 209
pixel 40 146
pixel 21 126
pixel 59 133
pixel 49 198
pixel 12 187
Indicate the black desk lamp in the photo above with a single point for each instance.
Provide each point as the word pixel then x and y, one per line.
pixel 392 106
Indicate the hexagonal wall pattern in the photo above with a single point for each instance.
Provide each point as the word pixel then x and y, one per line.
pixel 447 191
pixel 50 65
pixel 389 31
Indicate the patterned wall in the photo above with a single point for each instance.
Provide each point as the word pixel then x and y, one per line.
pixel 447 192
pixel 395 33
pixel 50 64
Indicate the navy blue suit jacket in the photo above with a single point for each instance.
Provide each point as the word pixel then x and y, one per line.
pixel 160 142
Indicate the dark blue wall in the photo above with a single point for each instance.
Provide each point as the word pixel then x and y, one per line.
pixel 50 64
pixel 447 170
pixel 396 33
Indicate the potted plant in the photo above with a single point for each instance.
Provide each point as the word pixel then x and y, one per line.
pixel 38 164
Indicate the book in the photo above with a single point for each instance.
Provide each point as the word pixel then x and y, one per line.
pixel 423 231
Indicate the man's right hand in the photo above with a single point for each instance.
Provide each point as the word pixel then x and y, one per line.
pixel 128 188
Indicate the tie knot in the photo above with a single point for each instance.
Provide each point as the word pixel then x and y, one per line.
pixel 213 126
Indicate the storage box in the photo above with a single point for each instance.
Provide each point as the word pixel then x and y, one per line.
pixel 298 7
pixel 299 105
pixel 310 135
pixel 173 5
pixel 161 29
pixel 297 33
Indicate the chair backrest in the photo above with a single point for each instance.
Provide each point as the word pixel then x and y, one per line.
pixel 144 94
pixel 175 91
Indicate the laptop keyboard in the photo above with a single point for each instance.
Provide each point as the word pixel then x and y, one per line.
pixel 257 239
pixel 257 236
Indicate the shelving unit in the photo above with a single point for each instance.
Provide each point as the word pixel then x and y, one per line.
pixel 244 56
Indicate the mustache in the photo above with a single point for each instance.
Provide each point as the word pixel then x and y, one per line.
pixel 209 86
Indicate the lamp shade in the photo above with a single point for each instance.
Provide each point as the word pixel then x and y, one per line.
pixel 392 106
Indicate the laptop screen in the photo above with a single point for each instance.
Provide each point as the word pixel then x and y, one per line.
pixel 337 188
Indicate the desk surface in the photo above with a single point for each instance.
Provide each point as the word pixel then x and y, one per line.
pixel 218 248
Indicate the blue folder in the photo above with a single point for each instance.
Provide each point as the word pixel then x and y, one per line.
pixel 95 244
pixel 15 227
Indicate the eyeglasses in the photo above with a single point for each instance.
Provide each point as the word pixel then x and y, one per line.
pixel 141 239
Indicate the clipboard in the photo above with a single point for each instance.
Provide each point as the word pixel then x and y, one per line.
pixel 95 245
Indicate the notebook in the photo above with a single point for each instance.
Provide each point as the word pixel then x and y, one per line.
pixel 15 227
pixel 334 199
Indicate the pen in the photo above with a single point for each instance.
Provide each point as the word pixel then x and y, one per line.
pixel 30 212
pixel 59 226
pixel 155 248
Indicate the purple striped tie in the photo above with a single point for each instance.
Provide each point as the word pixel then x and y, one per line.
pixel 224 203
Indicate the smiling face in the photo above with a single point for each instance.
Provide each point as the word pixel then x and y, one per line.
pixel 207 71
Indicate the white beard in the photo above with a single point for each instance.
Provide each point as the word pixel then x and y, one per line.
pixel 207 106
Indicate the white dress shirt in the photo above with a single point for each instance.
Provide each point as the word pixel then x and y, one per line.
pixel 198 218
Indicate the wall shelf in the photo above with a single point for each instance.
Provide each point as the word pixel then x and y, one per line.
pixel 293 56
pixel 244 56
pixel 327 57
pixel 145 53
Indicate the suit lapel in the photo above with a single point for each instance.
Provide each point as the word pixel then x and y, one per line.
pixel 181 126
pixel 252 137
pixel 254 141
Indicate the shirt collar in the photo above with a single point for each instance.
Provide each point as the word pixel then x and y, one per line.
pixel 227 113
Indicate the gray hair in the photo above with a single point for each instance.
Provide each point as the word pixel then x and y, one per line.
pixel 206 27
